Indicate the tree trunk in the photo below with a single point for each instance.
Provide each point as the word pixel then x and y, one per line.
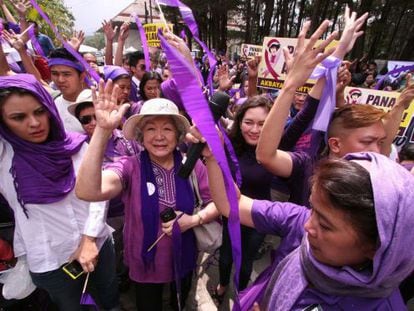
pixel 300 17
pixel 358 49
pixel 248 33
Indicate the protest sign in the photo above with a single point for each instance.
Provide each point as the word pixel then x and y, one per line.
pixel 396 64
pixel 151 32
pixel 384 100
pixel 249 51
pixel 272 67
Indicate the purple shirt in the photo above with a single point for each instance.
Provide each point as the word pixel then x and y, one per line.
pixel 287 220
pixel 128 169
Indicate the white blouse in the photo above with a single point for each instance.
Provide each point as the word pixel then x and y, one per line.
pixel 52 232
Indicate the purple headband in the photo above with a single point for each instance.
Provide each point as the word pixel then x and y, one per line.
pixel 65 62
pixel 113 72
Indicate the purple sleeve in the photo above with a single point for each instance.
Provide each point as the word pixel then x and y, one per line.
pixel 169 91
pixel 302 169
pixel 202 179
pixel 279 218
pixel 14 27
pixel 123 168
pixel 299 124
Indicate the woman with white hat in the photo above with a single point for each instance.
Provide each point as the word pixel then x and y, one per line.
pixel 149 186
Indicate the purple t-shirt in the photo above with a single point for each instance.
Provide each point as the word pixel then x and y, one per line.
pixel 128 169
pixel 287 220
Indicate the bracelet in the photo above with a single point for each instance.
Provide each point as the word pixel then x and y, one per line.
pixel 200 219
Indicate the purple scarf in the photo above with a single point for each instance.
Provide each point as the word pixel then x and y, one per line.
pixel 113 72
pixel 150 213
pixel 43 173
pixel 393 189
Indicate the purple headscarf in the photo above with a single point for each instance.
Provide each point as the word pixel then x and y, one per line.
pixel 43 173
pixel 393 189
pixel 113 72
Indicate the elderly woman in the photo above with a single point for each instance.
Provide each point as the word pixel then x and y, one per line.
pixel 149 185
pixel 39 162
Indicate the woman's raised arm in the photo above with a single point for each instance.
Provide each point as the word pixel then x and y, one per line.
pixel 93 184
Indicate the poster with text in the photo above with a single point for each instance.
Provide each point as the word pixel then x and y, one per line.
pixel 249 51
pixel 272 67
pixel 384 100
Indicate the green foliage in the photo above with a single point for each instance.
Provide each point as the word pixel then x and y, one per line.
pixel 60 16
pixel 97 40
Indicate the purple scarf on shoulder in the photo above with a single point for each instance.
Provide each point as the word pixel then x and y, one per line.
pixel 183 244
pixel 393 189
pixel 43 173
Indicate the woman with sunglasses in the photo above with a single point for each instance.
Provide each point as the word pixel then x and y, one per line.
pixel 39 163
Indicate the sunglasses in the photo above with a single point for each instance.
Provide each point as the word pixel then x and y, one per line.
pixel 86 119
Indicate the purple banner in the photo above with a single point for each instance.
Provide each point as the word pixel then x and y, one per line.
pixel 144 41
pixel 197 107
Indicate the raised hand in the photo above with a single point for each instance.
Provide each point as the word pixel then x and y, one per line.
pixel 124 32
pixel 77 39
pixel 109 31
pixel 21 6
pixel 307 55
pixel 225 82
pixel 108 113
pixel 253 67
pixel 18 41
pixel 407 95
pixel 351 32
pixel 179 44
pixel 344 76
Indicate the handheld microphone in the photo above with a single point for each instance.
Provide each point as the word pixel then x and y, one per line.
pixel 218 106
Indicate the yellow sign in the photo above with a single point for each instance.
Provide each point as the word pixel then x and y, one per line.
pixel 151 32
pixel 384 100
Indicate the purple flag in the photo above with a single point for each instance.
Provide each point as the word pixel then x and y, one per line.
pixel 197 107
pixel 398 70
pixel 189 19
pixel 143 40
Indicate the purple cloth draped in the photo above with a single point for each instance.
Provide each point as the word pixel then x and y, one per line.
pixel 144 42
pixel 43 173
pixel 113 72
pixel 197 107
pixel 232 154
pixel 150 212
pixel 398 70
pixel 189 19
pixel 328 99
pixel 393 189
pixel 36 46
pixel 67 46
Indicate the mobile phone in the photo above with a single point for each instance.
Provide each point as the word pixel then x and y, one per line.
pixel 167 214
pixel 73 269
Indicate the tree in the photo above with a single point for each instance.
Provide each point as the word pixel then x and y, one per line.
pixel 60 16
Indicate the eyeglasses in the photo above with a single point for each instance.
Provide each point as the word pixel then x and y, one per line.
pixel 86 119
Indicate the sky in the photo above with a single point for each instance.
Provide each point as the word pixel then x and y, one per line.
pixel 89 14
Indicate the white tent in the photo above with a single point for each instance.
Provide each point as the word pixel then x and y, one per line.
pixel 87 49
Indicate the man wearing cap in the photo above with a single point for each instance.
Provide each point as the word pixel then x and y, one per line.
pixel 68 75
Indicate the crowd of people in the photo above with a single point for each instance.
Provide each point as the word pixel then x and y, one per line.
pixel 89 174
